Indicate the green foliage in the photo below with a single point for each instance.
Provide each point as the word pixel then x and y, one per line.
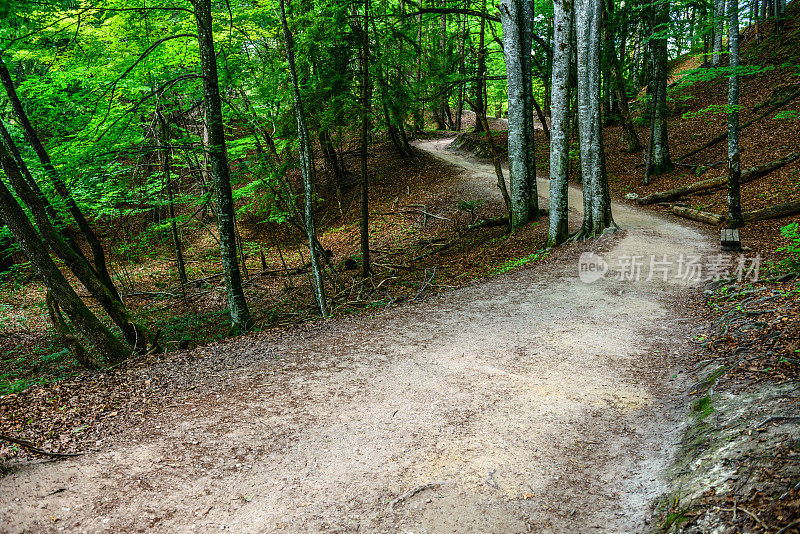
pixel 713 109
pixel 792 249
pixel 471 207
pixel 511 265
pixel 787 114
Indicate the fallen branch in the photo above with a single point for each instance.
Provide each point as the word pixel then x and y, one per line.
pixel 778 211
pixel 719 182
pixel 697 215
pixel 404 497
pixel 416 210
pixel 33 448
pixel 487 223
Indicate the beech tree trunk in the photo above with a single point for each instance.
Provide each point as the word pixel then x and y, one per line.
pixel 305 168
pixel 596 195
pixel 734 169
pixel 516 17
pixel 719 27
pixel 220 171
pixel 660 162
pixel 559 123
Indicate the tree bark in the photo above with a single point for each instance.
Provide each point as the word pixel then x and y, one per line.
pixel 98 254
pixel 778 211
pixel 516 17
pixel 95 332
pixel 697 215
pixel 559 129
pixel 661 162
pixel 305 168
pixel 597 215
pixel 220 170
pixel 734 168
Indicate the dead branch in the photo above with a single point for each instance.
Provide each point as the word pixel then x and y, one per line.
pixel 719 182
pixel 407 495
pixel 697 215
pixel 33 448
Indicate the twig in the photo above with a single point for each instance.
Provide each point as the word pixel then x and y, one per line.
pixel 426 213
pixel 33 448
pixel 777 418
pixel 404 497
pixel 425 284
pixel 787 527
pixel 751 514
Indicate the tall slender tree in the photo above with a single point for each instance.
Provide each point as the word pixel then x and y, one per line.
pixel 735 219
pixel 597 215
pixel 92 329
pixel 516 17
pixel 305 167
pixel 660 161
pixel 559 138
pixel 220 170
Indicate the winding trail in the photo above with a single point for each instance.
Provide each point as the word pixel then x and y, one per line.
pixel 533 402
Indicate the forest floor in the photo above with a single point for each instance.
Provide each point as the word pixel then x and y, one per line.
pixel 531 401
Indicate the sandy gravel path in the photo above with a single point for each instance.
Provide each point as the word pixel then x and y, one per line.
pixel 533 402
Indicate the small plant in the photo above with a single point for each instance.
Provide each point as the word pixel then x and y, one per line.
pixel 471 207
pixel 792 261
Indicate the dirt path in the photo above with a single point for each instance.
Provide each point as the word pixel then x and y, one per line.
pixel 534 402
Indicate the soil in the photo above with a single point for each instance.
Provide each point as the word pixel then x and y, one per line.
pixel 529 402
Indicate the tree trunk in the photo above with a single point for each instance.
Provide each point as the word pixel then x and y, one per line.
pixel 717 183
pixel 719 27
pixel 305 168
pixel 220 171
pixel 661 162
pixel 596 195
pixel 697 215
pixel 135 334
pixel 167 167
pixel 516 17
pixel 734 168
pixel 98 254
pixel 778 211
pixel 365 105
pixel 629 135
pixel 95 332
pixel 559 131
